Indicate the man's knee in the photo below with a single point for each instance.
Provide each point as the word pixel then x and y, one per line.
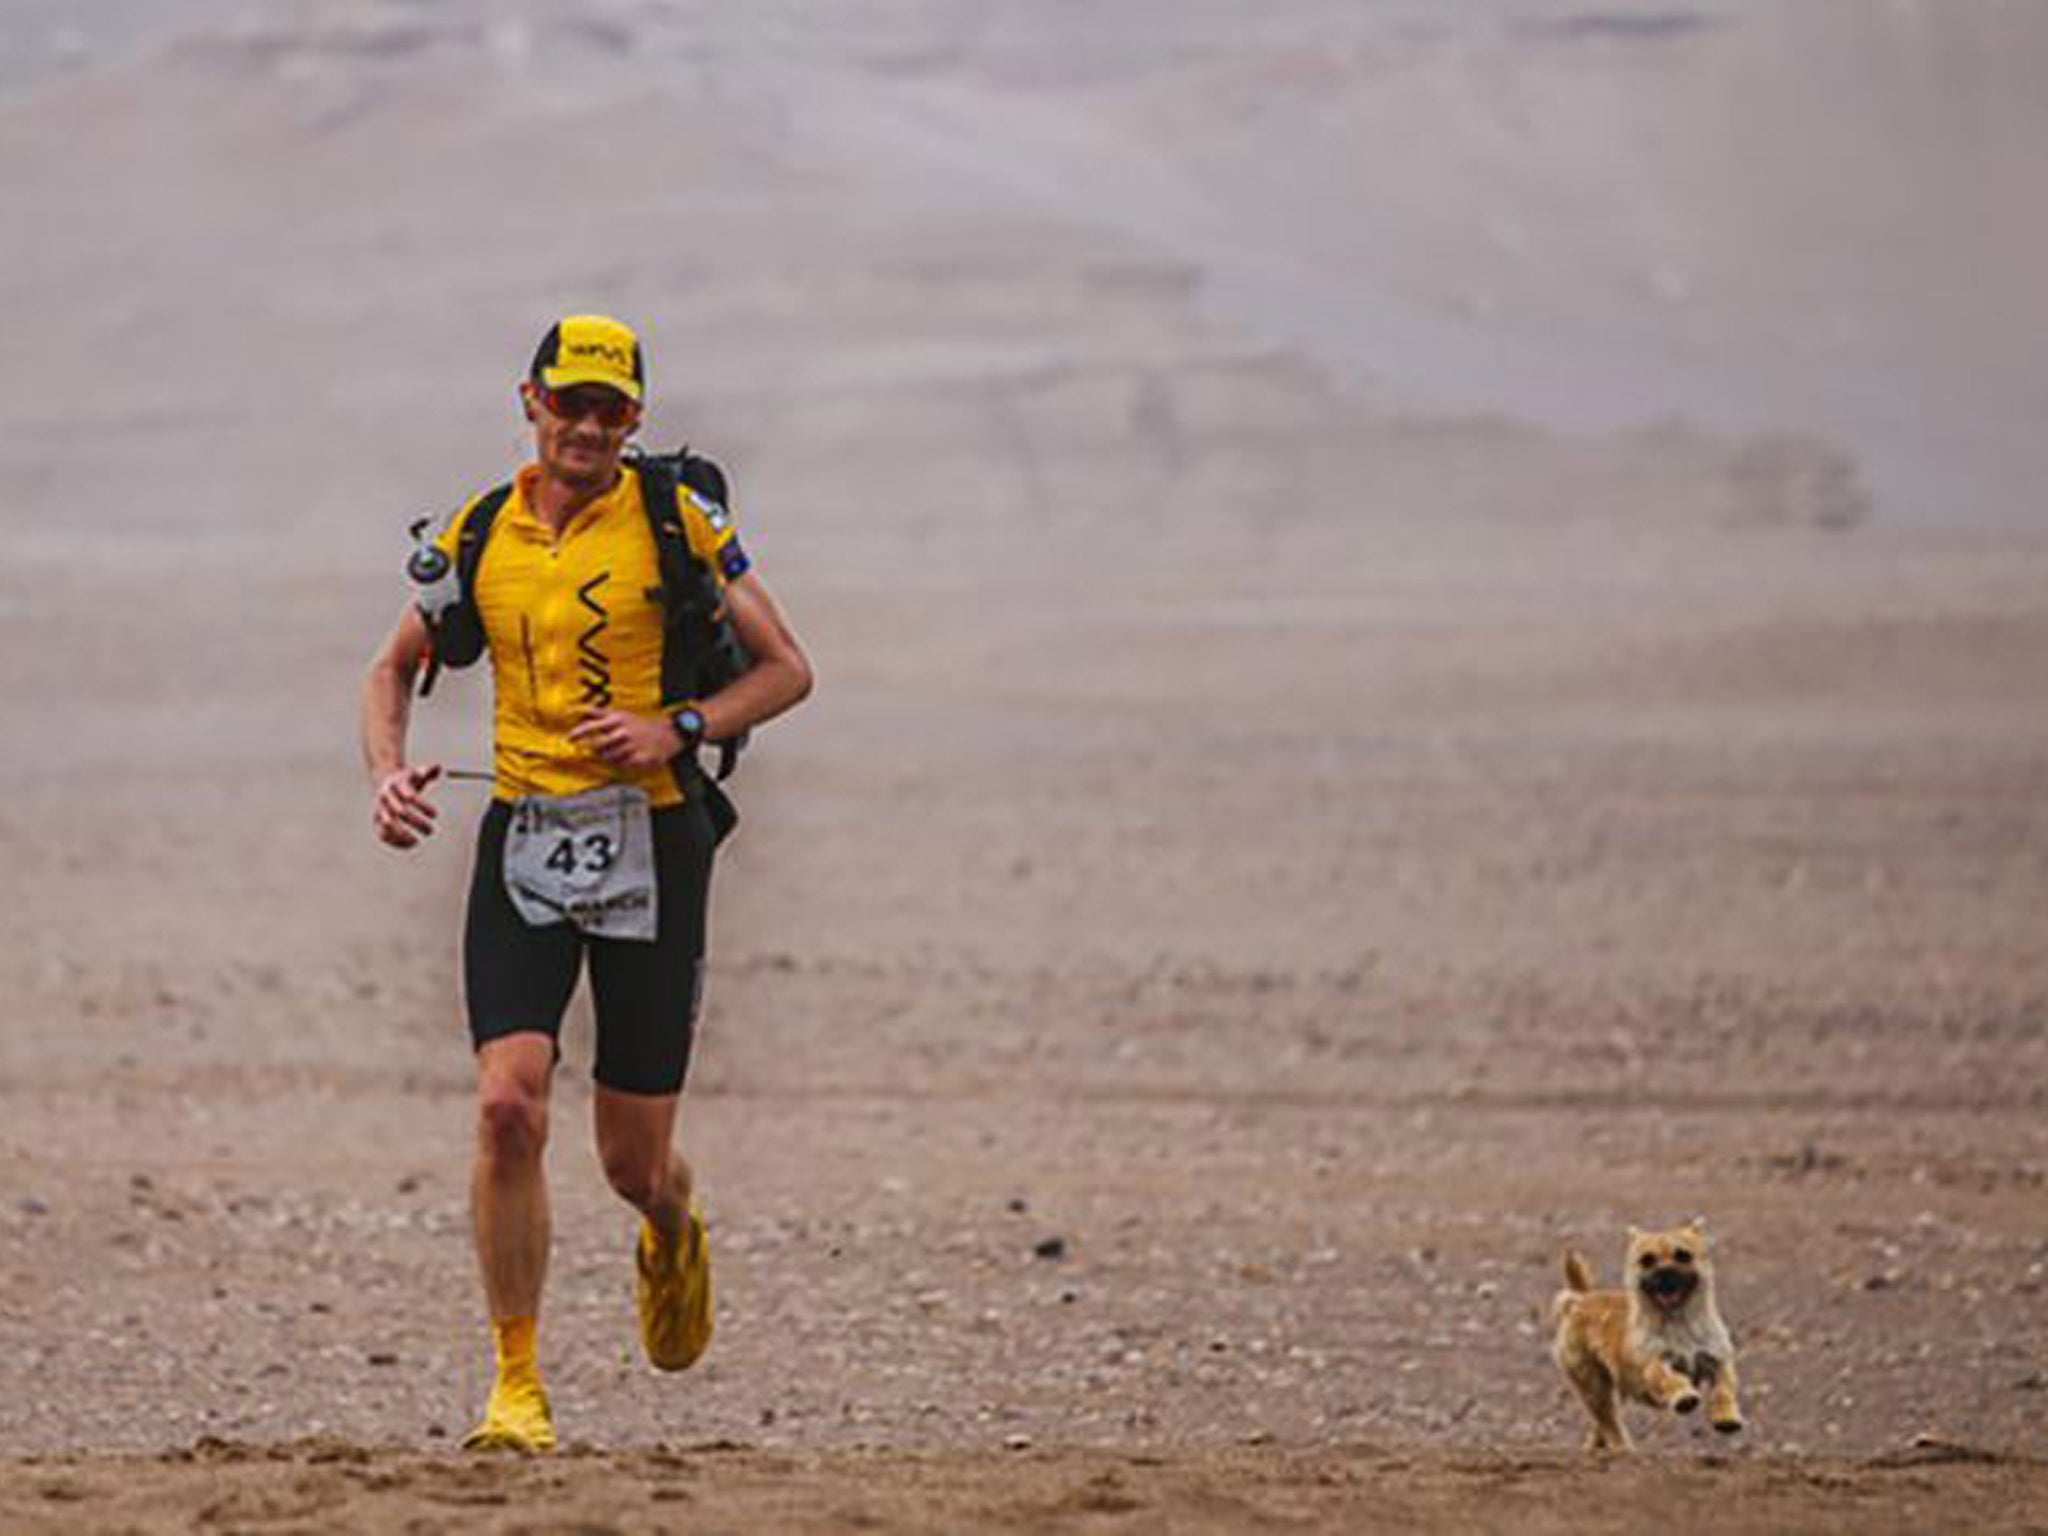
pixel 640 1175
pixel 512 1121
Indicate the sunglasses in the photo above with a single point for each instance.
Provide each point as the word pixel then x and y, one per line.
pixel 611 408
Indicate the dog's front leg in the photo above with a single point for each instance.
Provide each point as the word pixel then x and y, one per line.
pixel 1670 1388
pixel 1718 1377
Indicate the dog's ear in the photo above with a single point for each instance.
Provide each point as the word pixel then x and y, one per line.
pixel 1703 1239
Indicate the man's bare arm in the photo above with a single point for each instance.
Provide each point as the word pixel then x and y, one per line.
pixel 781 675
pixel 400 812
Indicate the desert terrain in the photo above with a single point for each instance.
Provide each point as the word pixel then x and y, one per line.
pixel 1433 640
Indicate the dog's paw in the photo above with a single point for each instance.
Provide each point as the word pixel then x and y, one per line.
pixel 1685 1402
pixel 1728 1426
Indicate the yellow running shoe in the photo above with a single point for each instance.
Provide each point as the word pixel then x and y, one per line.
pixel 515 1419
pixel 674 1293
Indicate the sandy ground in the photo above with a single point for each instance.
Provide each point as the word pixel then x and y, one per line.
pixel 1411 674
pixel 319 1486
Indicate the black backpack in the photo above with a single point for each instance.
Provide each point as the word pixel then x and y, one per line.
pixel 701 651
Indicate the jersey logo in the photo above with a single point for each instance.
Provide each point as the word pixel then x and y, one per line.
pixel 593 667
pixel 714 511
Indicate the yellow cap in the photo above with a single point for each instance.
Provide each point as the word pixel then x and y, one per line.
pixel 591 349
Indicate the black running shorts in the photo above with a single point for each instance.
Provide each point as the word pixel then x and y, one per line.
pixel 518 977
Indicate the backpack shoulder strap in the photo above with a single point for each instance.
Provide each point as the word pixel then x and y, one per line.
pixel 455 631
pixel 475 530
pixel 686 580
pixel 701 651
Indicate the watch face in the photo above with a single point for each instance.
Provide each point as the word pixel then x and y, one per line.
pixel 689 722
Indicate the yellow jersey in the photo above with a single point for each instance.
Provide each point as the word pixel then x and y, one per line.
pixel 573 623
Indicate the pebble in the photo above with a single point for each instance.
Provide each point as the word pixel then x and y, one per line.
pixel 1051 1248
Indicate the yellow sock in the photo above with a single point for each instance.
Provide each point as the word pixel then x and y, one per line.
pixel 516 1417
pixel 515 1339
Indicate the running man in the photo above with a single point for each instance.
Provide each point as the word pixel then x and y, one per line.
pixel 597 845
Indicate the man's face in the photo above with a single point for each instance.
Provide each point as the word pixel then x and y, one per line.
pixel 580 432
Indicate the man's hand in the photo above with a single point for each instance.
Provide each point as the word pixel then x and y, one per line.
pixel 627 740
pixel 401 812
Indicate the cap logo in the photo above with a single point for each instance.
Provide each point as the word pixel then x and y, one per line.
pixel 618 356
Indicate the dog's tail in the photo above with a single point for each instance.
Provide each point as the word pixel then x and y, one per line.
pixel 1578 1280
pixel 1576 1275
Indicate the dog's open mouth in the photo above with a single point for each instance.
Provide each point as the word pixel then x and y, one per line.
pixel 1669 1288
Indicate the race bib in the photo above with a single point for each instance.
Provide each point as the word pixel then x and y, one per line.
pixel 586 859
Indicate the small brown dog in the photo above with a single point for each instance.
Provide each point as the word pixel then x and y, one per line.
pixel 1660 1341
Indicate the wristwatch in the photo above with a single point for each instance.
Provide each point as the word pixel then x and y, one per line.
pixel 689 724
